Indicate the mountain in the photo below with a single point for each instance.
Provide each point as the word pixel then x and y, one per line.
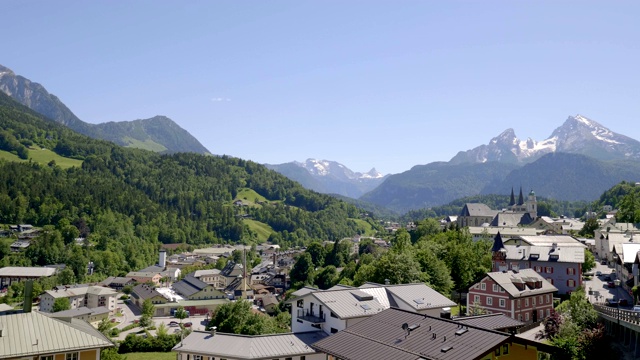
pixel 435 184
pixel 330 177
pixel 578 135
pixel 580 160
pixel 159 133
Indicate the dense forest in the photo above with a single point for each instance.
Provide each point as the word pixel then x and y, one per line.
pixel 125 202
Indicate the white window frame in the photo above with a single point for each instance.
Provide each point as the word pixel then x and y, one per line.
pixel 476 299
pixel 489 300
pixel 71 356
pixel 503 303
pixel 526 302
pixel 483 286
pixel 496 288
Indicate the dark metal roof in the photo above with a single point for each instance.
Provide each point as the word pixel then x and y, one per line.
pixel 476 209
pixel 189 286
pixel 382 336
pixel 490 321
pixel 497 243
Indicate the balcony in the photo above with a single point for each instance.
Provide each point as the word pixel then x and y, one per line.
pixel 311 317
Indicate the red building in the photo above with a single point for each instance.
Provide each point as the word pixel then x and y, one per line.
pixel 522 295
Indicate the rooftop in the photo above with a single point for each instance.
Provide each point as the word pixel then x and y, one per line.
pixel 14 271
pixel 524 278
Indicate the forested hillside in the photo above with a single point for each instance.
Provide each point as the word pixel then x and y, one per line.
pixel 127 201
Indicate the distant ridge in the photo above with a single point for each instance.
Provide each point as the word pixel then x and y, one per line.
pixel 158 133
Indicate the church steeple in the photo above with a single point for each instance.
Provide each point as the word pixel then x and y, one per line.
pixel 498 253
pixel 513 198
pixel 521 198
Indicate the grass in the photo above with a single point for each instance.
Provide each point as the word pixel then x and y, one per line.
pixel 249 196
pixel 368 230
pixel 43 157
pixel 145 145
pixel 151 356
pixel 263 230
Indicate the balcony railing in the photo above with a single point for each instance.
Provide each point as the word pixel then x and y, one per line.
pixel 313 318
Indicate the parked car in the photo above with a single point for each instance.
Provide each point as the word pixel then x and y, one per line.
pixel 188 324
pixel 603 262
pixel 623 302
pixel 613 302
pixel 611 284
pixel 607 278
pixel 636 308
pixel 598 273
pixel 173 323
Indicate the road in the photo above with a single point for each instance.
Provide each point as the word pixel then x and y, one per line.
pixel 598 285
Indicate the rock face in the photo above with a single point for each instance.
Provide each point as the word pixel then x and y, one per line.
pixel 159 133
pixel 578 135
pixel 330 177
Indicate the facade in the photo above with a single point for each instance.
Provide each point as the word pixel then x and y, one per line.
pixel 517 213
pixel 476 215
pixel 194 289
pixel 142 292
pixel 145 277
pixel 117 283
pixel 92 316
pixel 557 258
pixel 11 274
pixel 36 336
pixel 200 345
pixel 522 295
pixel 404 335
pixel 212 277
pixel 80 296
pixel 338 308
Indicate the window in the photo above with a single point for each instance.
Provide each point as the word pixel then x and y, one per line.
pixel 334 315
pixel 540 300
pixel 549 270
pixel 520 317
pixel 571 271
pixel 503 303
pixel 303 358
pixel 538 268
pixel 571 283
pixel 197 357
pixel 533 301
pixel 489 300
pixel 71 356
pixel 548 312
pixel 505 349
pixel 497 352
pixel 526 316
pixel 495 288
pixel 483 286
pixel 300 303
pixel 334 330
pixel 519 303
pixel 550 280
pixel 526 302
pixel 548 301
pixel 46 357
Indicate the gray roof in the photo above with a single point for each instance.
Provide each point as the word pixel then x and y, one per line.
pixel 349 303
pixel 543 240
pixel 249 347
pixel 419 296
pixel 382 337
pixel 142 274
pixel 490 321
pixel 304 291
pixel 27 334
pixel 80 290
pixel 199 273
pixel 475 209
pixel 511 219
pixel 112 280
pixel 561 253
pixel 189 286
pixel 506 281
pixel 79 312
pixel 144 291
pixel 14 271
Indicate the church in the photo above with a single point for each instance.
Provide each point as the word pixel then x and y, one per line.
pixel 517 213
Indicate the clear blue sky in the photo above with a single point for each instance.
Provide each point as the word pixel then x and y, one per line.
pixel 389 84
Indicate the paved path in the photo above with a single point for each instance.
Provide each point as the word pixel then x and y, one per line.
pixel 598 285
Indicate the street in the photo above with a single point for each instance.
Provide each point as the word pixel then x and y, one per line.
pixel 599 288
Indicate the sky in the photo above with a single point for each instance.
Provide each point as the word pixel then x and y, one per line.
pixel 384 84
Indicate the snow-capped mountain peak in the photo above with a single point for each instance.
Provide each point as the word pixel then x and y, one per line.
pixel 578 134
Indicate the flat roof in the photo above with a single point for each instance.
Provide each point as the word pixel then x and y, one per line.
pixel 24 271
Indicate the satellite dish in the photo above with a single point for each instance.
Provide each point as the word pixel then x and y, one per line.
pixel 405 326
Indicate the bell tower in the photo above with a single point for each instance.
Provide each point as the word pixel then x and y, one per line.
pixel 532 205
pixel 498 254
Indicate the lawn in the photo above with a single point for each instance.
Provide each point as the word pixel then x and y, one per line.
pixel 145 145
pixel 369 231
pixel 249 196
pixel 151 356
pixel 43 156
pixel 263 230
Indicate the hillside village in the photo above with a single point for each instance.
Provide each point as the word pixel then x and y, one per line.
pixel 535 260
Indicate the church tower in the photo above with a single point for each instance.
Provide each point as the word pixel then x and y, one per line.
pixel 513 199
pixel 498 254
pixel 532 205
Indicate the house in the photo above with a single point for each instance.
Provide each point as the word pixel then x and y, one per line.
pixel 337 308
pixel 200 345
pixel 92 316
pixel 11 274
pixel 404 335
pixel 624 256
pixel 475 215
pixel 142 292
pixel 194 289
pixel 605 241
pixel 20 245
pixel 489 232
pixel 558 258
pixel 495 321
pixel 80 296
pixel 145 277
pixel 33 335
pixel 117 283
pixel 523 295
pixel 517 213
pixel 213 277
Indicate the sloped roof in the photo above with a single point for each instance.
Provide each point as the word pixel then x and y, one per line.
pixel 629 251
pixel 250 347
pixel 189 286
pixel 21 271
pixel 144 291
pixel 504 279
pixel 419 296
pixel 79 312
pixel 476 209
pixel 569 254
pixel 200 273
pixel 349 303
pixel 490 321
pixel 382 337
pixel 80 290
pixel 511 219
pixel 541 240
pixel 27 334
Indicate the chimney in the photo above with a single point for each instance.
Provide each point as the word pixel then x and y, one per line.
pixel 213 330
pixel 162 258
pixel 387 282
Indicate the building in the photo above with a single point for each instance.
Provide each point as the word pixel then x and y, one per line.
pixel 489 232
pixel 624 257
pixel 213 277
pixel 403 335
pixel 517 213
pixel 338 308
pixel 92 316
pixel 194 289
pixel 117 283
pixel 496 321
pixel 143 292
pixel 200 345
pixel 145 277
pixel 33 335
pixel 557 258
pixel 80 296
pixel 523 295
pixel 11 274
pixel 476 215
